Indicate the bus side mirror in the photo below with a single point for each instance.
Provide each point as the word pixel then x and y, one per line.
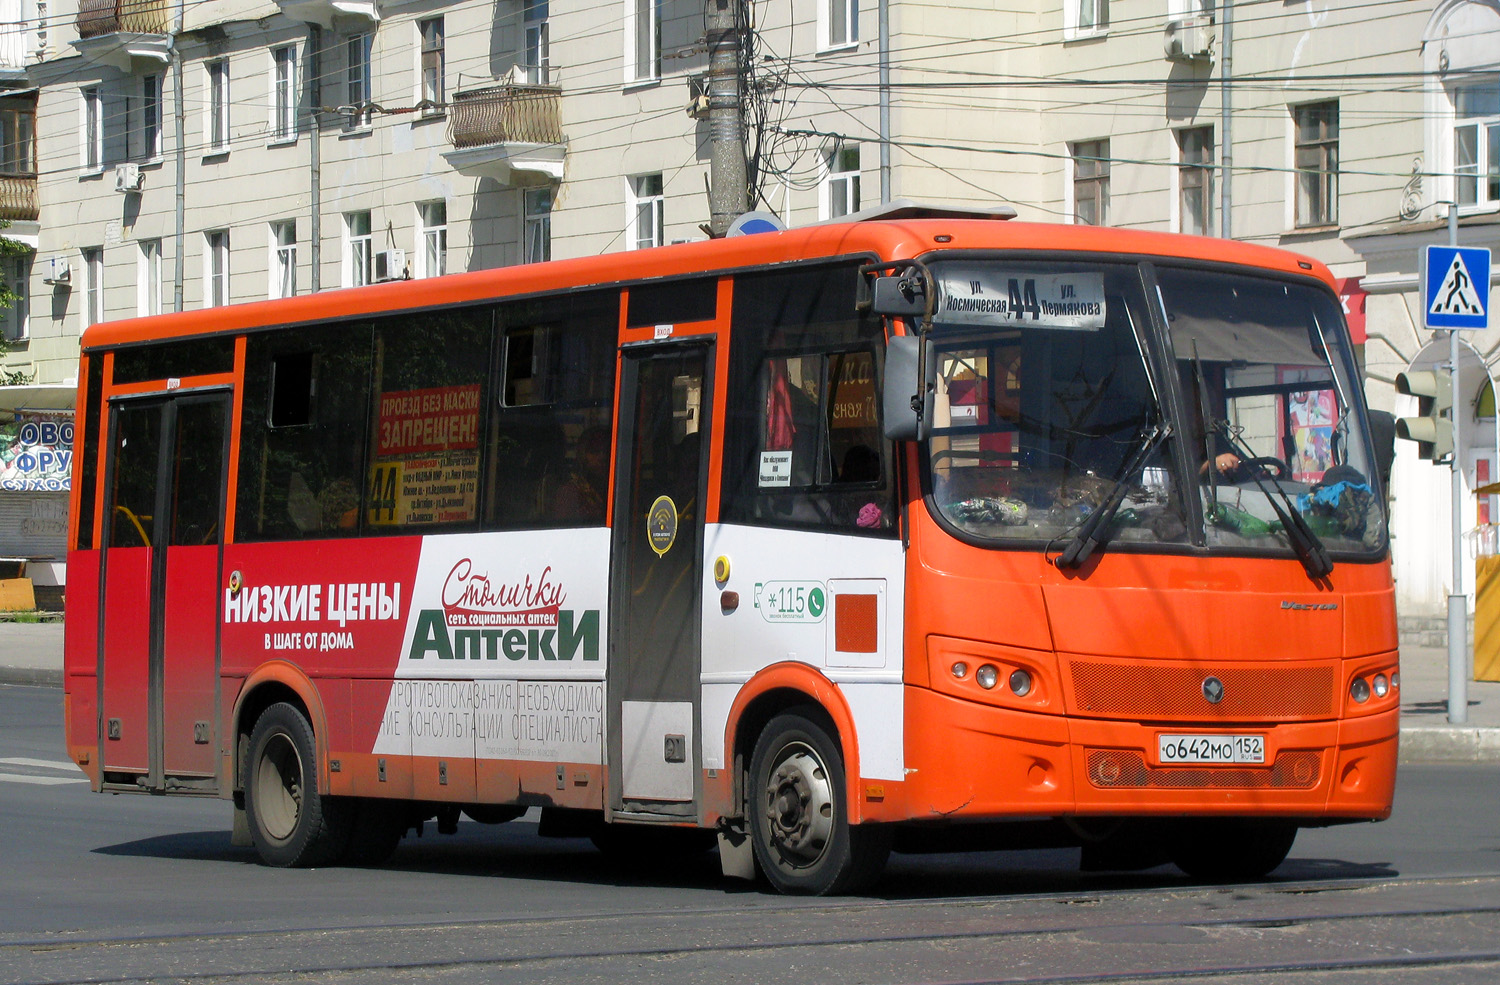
pixel 901 295
pixel 901 386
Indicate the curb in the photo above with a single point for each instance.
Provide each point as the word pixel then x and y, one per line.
pixel 1450 744
pixel 31 676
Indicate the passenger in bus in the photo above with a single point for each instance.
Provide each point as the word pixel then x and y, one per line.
pixel 581 496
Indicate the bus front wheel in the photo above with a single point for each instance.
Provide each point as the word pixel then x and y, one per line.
pixel 291 822
pixel 803 841
pixel 1231 849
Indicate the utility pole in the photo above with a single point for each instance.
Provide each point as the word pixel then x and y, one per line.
pixel 728 189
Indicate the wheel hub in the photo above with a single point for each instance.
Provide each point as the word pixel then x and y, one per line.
pixel 799 805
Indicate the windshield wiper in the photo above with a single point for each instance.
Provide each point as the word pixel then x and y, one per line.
pixel 1305 544
pixel 1095 530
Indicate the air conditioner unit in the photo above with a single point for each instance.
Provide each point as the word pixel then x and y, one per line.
pixel 390 265
pixel 128 178
pixel 1189 39
pixel 58 272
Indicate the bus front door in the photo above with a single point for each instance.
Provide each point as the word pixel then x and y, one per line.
pixel 656 575
pixel 159 624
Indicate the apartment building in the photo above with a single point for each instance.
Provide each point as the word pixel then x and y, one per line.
pixel 198 154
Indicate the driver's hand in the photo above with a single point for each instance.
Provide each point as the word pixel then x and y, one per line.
pixel 1226 462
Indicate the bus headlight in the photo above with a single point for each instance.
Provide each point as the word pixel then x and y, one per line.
pixel 987 676
pixel 960 670
pixel 1381 686
pixel 1020 683
pixel 1359 690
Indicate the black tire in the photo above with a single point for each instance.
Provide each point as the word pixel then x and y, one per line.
pixel 493 813
pixel 375 829
pixel 799 824
pixel 1231 849
pixel 292 824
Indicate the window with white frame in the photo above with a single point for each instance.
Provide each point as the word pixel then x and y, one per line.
pixel 216 125
pixel 145 125
pixel 840 182
pixel 537 209
pixel 283 94
pixel 216 268
pixel 1195 159
pixel 357 89
pixel 15 320
pixel 92 137
pixel 642 40
pixel 646 210
pixel 430 43
pixel 92 311
pixel 1091 182
pixel 1315 158
pixel 357 243
pixel 148 278
pixel 839 23
pixel 537 58
pixel 432 218
pixel 283 258
pixel 1476 141
pixel 1085 18
pixel 1179 9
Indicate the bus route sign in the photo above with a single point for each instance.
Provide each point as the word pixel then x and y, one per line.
pixel 1456 287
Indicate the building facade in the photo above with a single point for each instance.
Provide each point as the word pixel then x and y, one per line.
pixel 191 155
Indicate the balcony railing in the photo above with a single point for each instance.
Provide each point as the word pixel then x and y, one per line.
pixel 18 202
pixel 97 18
pixel 503 114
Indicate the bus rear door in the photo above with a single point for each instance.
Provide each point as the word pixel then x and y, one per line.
pixel 661 478
pixel 159 624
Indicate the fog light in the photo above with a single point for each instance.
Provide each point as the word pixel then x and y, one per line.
pixel 987 676
pixel 1020 683
pixel 1360 690
pixel 1381 686
pixel 960 670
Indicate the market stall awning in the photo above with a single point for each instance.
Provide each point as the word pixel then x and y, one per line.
pixel 38 398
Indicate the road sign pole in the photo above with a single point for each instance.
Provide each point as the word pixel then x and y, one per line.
pixel 1458 602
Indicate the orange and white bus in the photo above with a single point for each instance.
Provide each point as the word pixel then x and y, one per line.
pixel 931 531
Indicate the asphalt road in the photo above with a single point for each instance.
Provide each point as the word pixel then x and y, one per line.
pixel 127 888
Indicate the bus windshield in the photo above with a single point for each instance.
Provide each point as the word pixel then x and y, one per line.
pixel 1049 403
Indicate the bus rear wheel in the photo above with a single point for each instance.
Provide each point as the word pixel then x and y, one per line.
pixel 292 823
pixel 1231 849
pixel 799 822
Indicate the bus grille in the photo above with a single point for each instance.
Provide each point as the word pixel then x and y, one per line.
pixel 1116 769
pixel 1257 693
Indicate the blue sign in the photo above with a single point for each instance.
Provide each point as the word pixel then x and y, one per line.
pixel 1456 287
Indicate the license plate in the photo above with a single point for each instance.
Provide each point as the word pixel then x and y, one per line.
pixel 1199 749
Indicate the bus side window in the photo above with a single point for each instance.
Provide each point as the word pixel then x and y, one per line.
pixel 306 415
pixel 803 442
pixel 430 370
pixel 549 450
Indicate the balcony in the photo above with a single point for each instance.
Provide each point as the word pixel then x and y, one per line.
pixel 323 12
pixel 121 32
pixel 18 202
pixel 500 129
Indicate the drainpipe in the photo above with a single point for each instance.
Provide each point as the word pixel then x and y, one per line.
pixel 885 101
pixel 179 114
pixel 315 159
pixel 1226 120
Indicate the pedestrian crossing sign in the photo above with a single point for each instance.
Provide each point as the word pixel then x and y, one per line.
pixel 1456 287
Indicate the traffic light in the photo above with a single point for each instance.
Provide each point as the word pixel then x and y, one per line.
pixel 1432 430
